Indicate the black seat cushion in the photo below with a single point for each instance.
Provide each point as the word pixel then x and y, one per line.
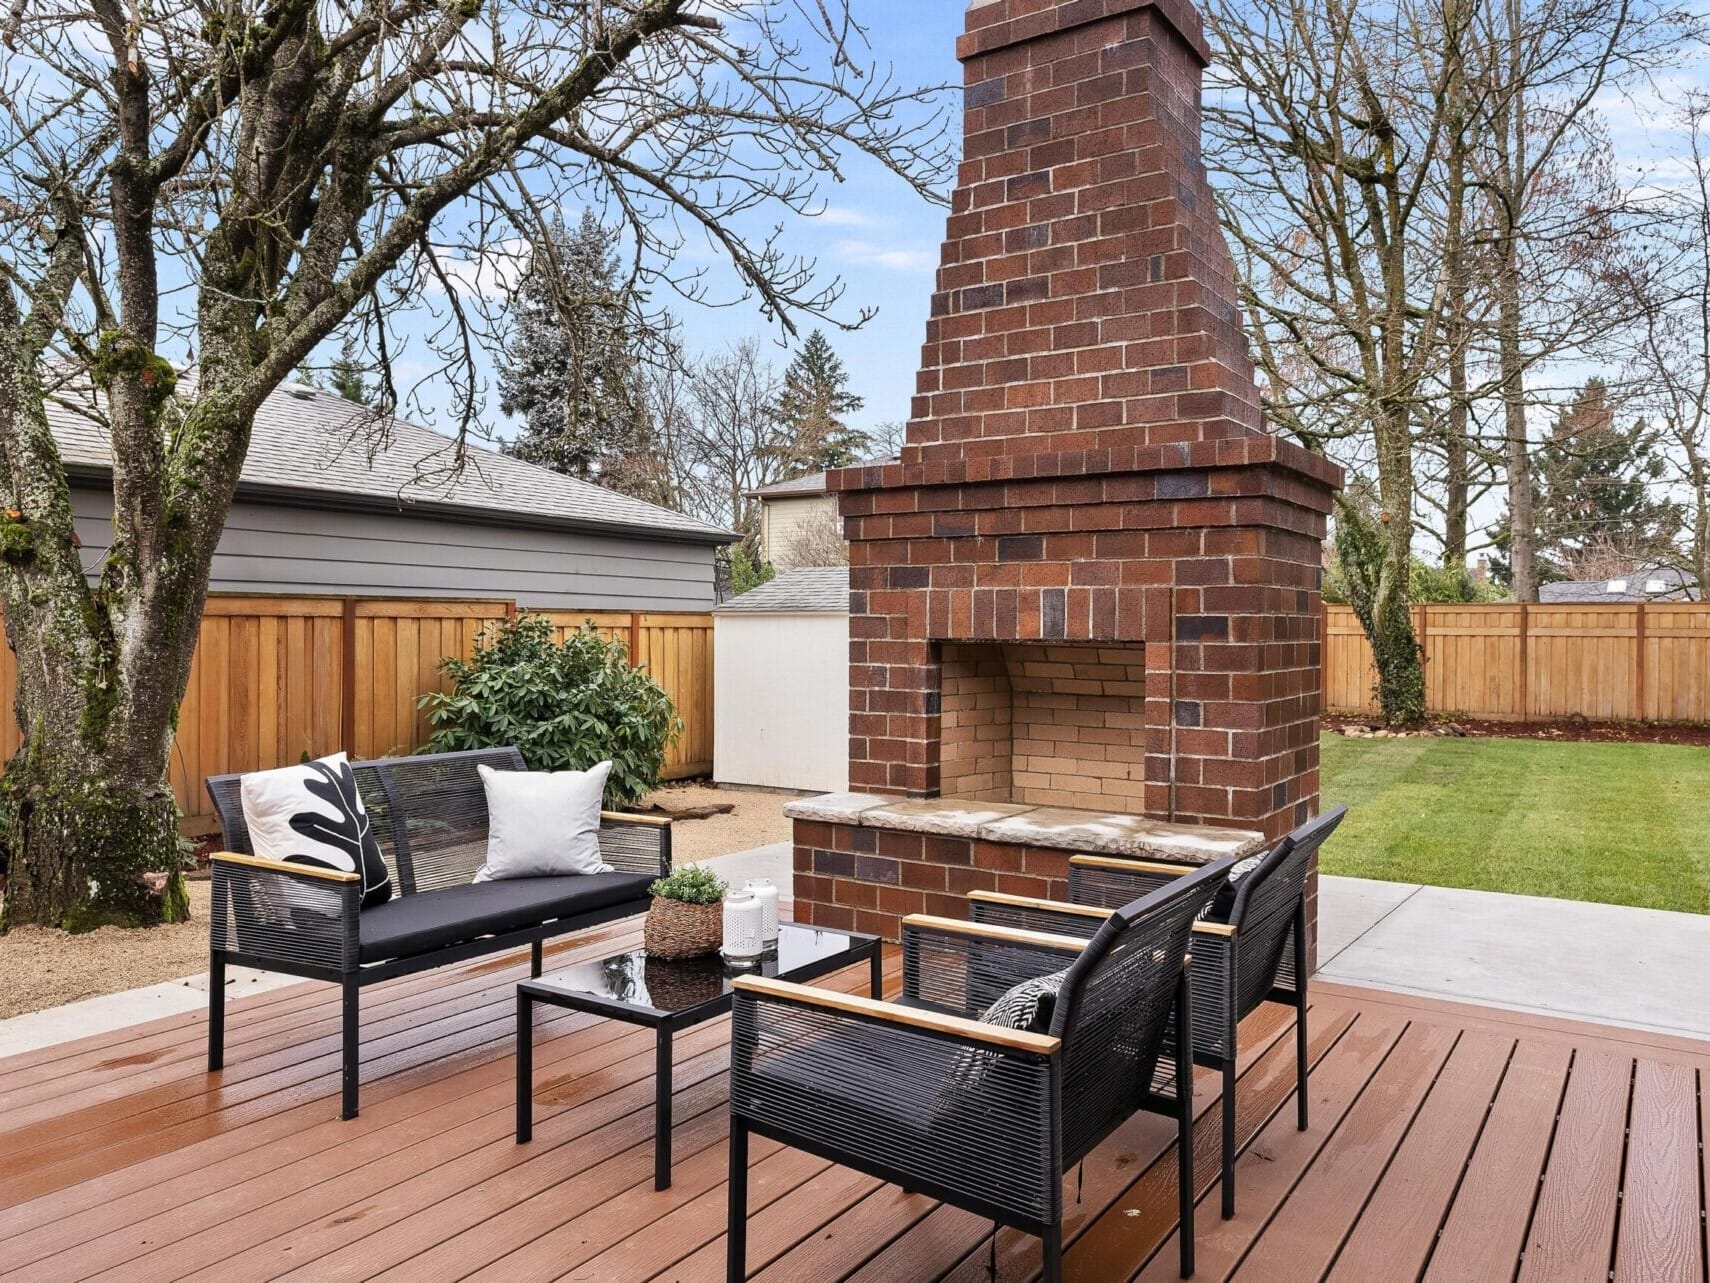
pixel 431 920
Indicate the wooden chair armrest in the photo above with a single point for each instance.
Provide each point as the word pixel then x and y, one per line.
pixel 281 866
pixel 1223 929
pixel 1049 906
pixel 1011 935
pixel 872 1009
pixel 1121 865
pixel 624 817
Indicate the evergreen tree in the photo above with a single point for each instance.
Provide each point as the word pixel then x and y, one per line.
pixel 812 405
pixel 348 378
pixel 1597 486
pixel 1595 499
pixel 574 369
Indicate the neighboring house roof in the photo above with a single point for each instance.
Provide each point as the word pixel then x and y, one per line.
pixel 317 448
pixel 811 589
pixel 801 487
pixel 1661 583
pixel 796 488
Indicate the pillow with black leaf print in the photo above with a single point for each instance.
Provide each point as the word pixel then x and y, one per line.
pixel 312 814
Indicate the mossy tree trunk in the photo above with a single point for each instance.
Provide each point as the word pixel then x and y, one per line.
pixel 1375 555
pixel 292 162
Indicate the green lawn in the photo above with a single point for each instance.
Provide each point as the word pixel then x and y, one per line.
pixel 1621 823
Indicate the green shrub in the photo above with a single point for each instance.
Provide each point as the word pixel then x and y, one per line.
pixel 690 884
pixel 566 705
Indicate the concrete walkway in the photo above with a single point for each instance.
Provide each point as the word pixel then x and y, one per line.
pixel 1640 968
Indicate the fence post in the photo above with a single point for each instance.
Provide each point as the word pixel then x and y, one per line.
pixel 1423 640
pixel 1525 709
pixel 1639 664
pixel 347 686
pixel 635 639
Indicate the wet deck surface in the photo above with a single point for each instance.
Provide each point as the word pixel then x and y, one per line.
pixel 1447 1143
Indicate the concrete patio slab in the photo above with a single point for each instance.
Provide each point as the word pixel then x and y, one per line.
pixel 113 1011
pixel 1638 968
pixel 1350 907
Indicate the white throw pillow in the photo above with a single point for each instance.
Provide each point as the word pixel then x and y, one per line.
pixel 313 814
pixel 543 824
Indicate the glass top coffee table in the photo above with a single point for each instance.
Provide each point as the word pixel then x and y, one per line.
pixel 672 994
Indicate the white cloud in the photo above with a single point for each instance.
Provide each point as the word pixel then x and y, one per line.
pixel 897 259
pixel 489 275
pixel 843 216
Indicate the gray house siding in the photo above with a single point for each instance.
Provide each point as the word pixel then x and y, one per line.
pixel 276 548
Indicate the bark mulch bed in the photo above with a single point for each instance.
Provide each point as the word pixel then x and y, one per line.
pixel 1570 730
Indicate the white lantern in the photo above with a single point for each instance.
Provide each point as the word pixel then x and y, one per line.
pixel 763 890
pixel 742 921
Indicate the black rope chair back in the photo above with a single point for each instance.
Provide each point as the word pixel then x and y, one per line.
pixel 1113 1010
pixel 1265 909
pixel 429 814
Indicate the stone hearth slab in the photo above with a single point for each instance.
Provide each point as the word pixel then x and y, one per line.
pixel 944 816
pixel 834 808
pixel 1115 834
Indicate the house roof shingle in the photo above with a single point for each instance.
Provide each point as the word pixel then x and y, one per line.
pixel 808 590
pixel 316 447
pixel 1657 583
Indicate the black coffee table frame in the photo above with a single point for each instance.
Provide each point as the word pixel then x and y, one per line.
pixel 665 1024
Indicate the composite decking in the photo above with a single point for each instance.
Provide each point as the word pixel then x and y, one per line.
pixel 1447 1143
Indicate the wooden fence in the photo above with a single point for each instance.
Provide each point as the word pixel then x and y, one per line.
pixel 1632 661
pixel 277 677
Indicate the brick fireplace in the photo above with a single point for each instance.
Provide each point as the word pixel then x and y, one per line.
pixel 1090 584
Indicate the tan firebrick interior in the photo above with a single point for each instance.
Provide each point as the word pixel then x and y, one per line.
pixel 1044 725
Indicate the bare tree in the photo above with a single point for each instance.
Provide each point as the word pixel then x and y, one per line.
pixel 1670 363
pixel 1329 133
pixel 227 183
pixel 817 541
pixel 1553 211
pixel 737 441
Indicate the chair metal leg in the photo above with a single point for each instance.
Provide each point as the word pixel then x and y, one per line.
pixel 1053 1237
pixel 736 1233
pixel 525 1068
pixel 1229 1134
pixel 1184 1123
pixel 534 959
pixel 352 1048
pixel 216 1011
pixel 1300 1093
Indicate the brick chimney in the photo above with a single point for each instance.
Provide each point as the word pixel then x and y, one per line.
pixel 1092 578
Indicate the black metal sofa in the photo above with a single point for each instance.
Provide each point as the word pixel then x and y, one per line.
pixel 429 814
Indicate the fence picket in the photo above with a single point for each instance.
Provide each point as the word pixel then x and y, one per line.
pixel 278 678
pixel 1505 661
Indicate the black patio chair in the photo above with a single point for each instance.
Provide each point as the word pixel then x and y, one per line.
pixel 978 1115
pixel 1255 954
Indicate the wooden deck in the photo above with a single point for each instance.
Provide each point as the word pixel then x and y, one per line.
pixel 1448 1143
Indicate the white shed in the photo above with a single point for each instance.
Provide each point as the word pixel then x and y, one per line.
pixel 781 683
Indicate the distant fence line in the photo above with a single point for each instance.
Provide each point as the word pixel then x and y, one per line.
pixel 277 677
pixel 1629 661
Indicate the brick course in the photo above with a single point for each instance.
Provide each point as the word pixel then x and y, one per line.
pixel 1086 483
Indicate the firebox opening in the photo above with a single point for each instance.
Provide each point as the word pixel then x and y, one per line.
pixel 1044 725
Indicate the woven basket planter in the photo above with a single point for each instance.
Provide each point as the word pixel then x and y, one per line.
pixel 678 930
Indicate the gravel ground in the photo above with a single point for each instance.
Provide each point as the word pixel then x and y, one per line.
pixel 44 968
pixel 41 968
pixel 758 820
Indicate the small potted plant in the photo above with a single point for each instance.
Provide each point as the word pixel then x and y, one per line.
pixel 686 917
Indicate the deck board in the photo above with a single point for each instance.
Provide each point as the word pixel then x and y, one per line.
pixel 1661 1238
pixel 1447 1141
